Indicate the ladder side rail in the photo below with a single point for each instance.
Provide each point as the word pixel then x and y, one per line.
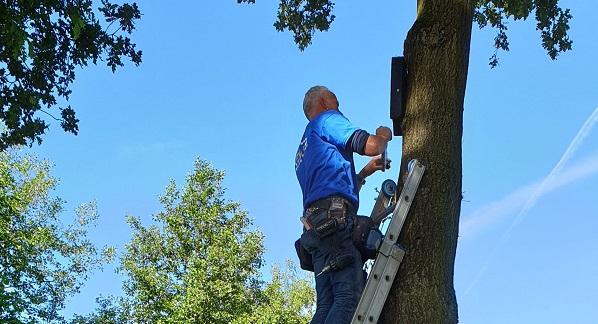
pixel 404 203
pixel 389 257
pixel 377 287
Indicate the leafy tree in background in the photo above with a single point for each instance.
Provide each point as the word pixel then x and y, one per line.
pixel 109 310
pixel 199 263
pixel 287 299
pixel 42 43
pixel 42 262
pixel 436 51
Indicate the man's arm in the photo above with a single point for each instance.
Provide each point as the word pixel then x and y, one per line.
pixel 375 164
pixel 376 144
pixel 370 145
pixel 363 143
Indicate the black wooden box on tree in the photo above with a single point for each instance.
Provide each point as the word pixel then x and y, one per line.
pixel 398 91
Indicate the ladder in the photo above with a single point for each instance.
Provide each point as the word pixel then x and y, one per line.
pixel 390 253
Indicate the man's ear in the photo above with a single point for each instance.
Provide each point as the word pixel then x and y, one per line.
pixel 323 102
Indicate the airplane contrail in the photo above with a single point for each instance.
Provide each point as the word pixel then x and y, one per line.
pixel 573 146
pixel 531 201
pixel 510 204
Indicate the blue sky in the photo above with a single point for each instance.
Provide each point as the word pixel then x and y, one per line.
pixel 218 81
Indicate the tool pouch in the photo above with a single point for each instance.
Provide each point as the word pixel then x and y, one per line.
pixel 305 260
pixel 338 212
pixel 326 228
pixel 366 237
pixel 327 221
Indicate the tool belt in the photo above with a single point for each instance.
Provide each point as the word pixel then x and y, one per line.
pixel 322 219
pixel 365 236
pixel 338 209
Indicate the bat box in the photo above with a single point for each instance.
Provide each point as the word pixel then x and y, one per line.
pixel 398 91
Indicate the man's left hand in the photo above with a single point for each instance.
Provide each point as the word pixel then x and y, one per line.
pixel 375 164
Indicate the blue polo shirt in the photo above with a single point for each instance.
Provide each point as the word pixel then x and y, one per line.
pixel 324 161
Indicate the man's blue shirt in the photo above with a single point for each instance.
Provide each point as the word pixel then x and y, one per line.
pixel 324 161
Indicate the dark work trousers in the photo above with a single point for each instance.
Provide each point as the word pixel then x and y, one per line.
pixel 337 292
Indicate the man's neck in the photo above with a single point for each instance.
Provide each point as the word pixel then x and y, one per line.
pixel 321 111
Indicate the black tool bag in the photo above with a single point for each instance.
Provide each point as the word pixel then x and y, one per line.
pixel 366 237
pixel 305 260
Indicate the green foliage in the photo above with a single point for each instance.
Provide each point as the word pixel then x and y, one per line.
pixel 108 311
pixel 287 299
pixel 551 20
pixel 199 263
pixel 41 45
pixel 304 17
pixel 42 262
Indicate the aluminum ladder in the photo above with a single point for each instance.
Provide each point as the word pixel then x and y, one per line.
pixel 390 253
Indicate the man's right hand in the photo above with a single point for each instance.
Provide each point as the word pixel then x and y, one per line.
pixel 384 132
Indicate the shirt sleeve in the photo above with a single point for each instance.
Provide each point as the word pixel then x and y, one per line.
pixel 358 141
pixel 337 130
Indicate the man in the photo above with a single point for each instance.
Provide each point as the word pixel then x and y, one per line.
pixel 326 172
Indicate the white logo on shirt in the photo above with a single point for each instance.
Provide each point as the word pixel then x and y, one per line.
pixel 300 153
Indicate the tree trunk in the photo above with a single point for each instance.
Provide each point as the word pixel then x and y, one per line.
pixel 437 57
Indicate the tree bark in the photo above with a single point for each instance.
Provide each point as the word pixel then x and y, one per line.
pixel 437 57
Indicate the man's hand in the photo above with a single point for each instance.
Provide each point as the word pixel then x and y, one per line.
pixel 375 164
pixel 384 132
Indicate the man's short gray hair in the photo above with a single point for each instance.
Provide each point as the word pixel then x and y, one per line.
pixel 311 97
